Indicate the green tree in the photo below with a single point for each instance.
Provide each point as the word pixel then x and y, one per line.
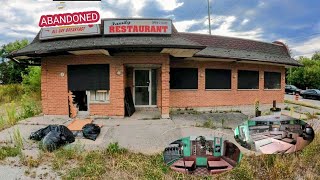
pixel 32 81
pixel 316 56
pixel 10 72
pixel 307 76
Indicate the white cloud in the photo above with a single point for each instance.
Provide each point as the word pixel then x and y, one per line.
pixel 169 5
pixel 306 48
pixel 134 6
pixel 221 25
pixel 244 22
pixel 183 26
pixel 224 26
pixel 138 5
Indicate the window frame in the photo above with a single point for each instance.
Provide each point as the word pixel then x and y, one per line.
pixel 241 89
pixel 107 100
pixel 218 89
pixel 264 80
pixel 184 89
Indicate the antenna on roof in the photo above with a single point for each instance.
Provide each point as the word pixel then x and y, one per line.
pixel 209 19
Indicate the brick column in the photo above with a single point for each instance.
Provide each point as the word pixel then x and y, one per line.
pixel 234 79
pixel 165 89
pixel 44 97
pixel 261 80
pixel 117 81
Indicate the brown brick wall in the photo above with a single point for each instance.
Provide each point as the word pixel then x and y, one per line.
pixel 55 90
pixel 165 89
pixel 207 98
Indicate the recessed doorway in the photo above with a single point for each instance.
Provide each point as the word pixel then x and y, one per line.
pixel 145 87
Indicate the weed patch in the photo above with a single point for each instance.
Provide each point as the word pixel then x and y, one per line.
pixel 31 162
pixel 7 151
pixel 209 124
pixel 114 148
pixel 302 104
pixel 311 116
pixel 17 139
pixel 67 153
pixel 12 116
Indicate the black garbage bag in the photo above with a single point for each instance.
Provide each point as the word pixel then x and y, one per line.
pixel 91 131
pixel 52 141
pixel 41 133
pixel 53 136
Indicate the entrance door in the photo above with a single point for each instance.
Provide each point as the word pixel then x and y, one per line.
pixel 145 87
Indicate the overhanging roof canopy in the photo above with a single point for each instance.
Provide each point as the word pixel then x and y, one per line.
pixel 177 44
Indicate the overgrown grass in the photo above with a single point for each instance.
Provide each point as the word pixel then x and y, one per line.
pixel 118 163
pixel 11 113
pixel 20 101
pixel 27 105
pixel 64 154
pixel 114 162
pixel 7 151
pixel 17 139
pixel 302 104
pixel 10 92
pixel 14 112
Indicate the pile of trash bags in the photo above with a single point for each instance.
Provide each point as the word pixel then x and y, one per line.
pixel 53 137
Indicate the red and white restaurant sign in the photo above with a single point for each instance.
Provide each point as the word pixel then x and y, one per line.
pixel 69 31
pixel 87 17
pixel 137 26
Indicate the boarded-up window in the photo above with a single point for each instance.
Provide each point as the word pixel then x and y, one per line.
pixel 88 77
pixel 183 78
pixel 218 79
pixel 272 80
pixel 248 79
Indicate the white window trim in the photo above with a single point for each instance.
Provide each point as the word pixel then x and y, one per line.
pixel 107 100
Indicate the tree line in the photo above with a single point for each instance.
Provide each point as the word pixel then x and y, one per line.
pixel 13 73
pixel 308 75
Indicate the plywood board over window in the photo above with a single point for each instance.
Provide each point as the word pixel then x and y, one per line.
pixel 88 77
pixel 183 78
pixel 218 79
pixel 248 79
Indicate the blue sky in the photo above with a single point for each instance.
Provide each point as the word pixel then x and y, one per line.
pixel 294 22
